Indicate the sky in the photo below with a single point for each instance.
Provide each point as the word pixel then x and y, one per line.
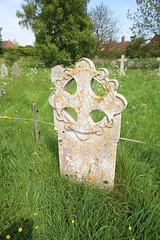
pixel 13 31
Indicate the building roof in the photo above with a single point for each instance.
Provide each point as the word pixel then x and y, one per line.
pixel 8 44
pixel 156 38
pixel 119 46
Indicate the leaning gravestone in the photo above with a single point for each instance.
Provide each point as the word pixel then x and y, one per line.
pixel 56 73
pixel 131 64
pixel 15 69
pixel 87 150
pixel 122 60
pixel 4 70
pixel 139 65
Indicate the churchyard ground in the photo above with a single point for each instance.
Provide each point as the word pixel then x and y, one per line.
pixel 37 203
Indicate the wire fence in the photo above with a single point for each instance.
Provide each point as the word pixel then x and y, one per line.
pixel 125 139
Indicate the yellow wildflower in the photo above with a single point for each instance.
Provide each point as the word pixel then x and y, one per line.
pixel 36 227
pixel 130 228
pixel 72 221
pixel 8 237
pixel 35 214
pixel 20 230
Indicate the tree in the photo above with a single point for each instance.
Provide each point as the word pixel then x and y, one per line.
pixel 146 21
pixel 15 43
pixel 62 29
pixel 105 24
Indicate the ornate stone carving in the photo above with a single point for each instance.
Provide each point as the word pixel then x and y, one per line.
pixel 83 143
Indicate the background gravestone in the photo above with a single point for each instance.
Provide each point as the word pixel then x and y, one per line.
pixel 122 60
pixel 131 64
pixel 139 65
pixel 56 73
pixel 113 63
pixel 15 69
pixel 4 70
pixel 87 149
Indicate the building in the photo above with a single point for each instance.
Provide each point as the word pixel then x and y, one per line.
pixel 7 44
pixel 122 45
pixel 113 46
pixel 156 39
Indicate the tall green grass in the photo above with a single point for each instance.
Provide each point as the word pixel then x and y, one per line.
pixel 37 199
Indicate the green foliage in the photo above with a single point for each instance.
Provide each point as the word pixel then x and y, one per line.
pixel 11 55
pixel 146 21
pixel 62 29
pixel 26 51
pixel 139 49
pixel 29 174
pixel 114 54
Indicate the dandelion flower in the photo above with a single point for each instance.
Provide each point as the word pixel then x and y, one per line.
pixel 49 129
pixel 72 221
pixel 35 214
pixel 36 227
pixel 142 191
pixel 8 237
pixel 130 228
pixel 20 230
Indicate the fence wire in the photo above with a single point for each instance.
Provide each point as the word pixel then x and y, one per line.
pixel 125 139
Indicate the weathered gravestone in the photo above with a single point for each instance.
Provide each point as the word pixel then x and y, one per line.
pixel 56 73
pixel 139 65
pixel 122 60
pixel 4 70
pixel 15 69
pixel 131 64
pixel 113 63
pixel 87 150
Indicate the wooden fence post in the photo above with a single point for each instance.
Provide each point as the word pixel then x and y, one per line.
pixel 35 122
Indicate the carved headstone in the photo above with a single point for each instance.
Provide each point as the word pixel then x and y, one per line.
pixel 56 73
pixel 4 70
pixel 15 69
pixel 122 60
pixel 87 149
pixel 131 64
